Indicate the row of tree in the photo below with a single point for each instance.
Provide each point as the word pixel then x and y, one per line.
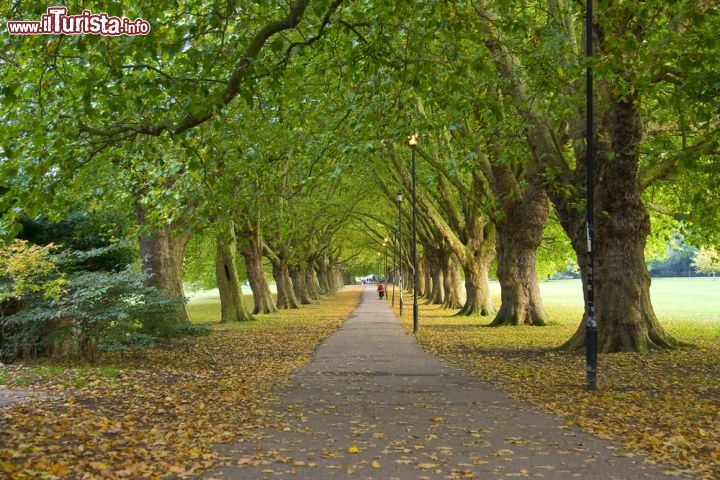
pixel 278 129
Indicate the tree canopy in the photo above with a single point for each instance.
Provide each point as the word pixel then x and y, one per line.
pixel 287 121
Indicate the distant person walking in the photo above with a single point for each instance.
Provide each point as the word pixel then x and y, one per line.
pixel 381 290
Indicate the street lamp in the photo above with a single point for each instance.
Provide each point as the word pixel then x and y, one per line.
pixel 591 326
pixel 392 302
pixel 399 198
pixel 385 272
pixel 379 269
pixel 412 142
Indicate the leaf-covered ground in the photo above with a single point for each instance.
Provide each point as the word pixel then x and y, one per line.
pixel 156 416
pixel 663 403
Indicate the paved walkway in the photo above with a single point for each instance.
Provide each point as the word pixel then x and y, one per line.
pixel 8 397
pixel 373 405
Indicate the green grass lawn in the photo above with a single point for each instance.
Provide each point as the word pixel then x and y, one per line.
pixel 676 300
pixel 204 307
pixel 695 299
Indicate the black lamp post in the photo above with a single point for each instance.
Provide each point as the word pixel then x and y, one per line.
pixel 379 267
pixel 413 143
pixel 392 303
pixel 399 198
pixel 591 326
pixel 385 272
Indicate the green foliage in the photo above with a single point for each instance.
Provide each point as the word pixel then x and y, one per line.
pixel 27 269
pixel 96 311
pixel 707 260
pixel 80 231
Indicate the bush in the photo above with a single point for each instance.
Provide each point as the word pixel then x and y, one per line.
pixel 97 311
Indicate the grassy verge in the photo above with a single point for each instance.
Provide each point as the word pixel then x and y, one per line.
pixel 662 403
pixel 157 416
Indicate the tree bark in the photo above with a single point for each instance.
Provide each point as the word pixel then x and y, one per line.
pixel 422 275
pixel 337 277
pixel 299 286
pixel 286 298
pixel 452 284
pixel 232 305
pixel 161 255
pixel 311 282
pixel 519 235
pixel 623 310
pixel 435 264
pixel 251 249
pixel 324 276
pixel 477 256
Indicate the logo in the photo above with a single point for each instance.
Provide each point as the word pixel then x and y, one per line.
pixel 57 22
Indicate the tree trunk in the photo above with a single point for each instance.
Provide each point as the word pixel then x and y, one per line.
pixel 161 255
pixel 338 279
pixel 422 275
pixel 428 276
pixel 625 317
pixel 452 284
pixel 311 282
pixel 251 249
pixel 232 305
pixel 299 286
pixel 477 284
pixel 286 298
pixel 436 260
pixel 323 275
pixel 519 234
pixel 623 310
pixel 475 260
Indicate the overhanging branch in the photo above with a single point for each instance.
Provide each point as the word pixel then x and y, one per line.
pixel 218 102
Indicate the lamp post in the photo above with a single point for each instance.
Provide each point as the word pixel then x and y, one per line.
pixel 591 326
pixel 413 143
pixel 399 198
pixel 392 303
pixel 379 267
pixel 385 272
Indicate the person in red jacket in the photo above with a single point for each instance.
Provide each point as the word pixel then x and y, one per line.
pixel 381 290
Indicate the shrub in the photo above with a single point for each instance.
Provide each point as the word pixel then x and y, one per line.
pixel 96 311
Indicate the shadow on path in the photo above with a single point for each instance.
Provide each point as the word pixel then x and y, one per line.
pixel 373 405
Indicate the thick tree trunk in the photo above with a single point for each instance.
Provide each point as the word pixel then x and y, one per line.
pixel 475 260
pixel 519 234
pixel 286 298
pixel 435 271
pixel 324 276
pixel 427 278
pixel 338 279
pixel 422 269
pixel 477 285
pixel 251 250
pixel 437 292
pixel 161 255
pixel 299 286
pixel 625 316
pixel 452 284
pixel 232 305
pixel 311 283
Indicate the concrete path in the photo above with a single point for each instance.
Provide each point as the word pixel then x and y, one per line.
pixel 373 405
pixel 8 397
